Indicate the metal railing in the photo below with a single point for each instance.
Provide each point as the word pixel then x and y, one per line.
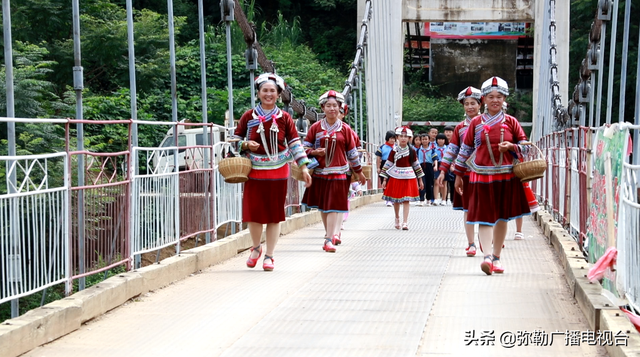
pixel 567 193
pixel 34 225
pixel 628 240
pixel 133 202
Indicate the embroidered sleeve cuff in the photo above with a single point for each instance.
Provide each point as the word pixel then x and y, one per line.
pixel 240 146
pixel 303 161
pixel 459 170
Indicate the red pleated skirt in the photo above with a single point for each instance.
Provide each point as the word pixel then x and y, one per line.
pixel 461 202
pixel 494 198
pixel 401 190
pixel 328 193
pixel 264 196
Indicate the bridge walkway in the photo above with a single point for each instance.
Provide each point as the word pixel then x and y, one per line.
pixel 384 293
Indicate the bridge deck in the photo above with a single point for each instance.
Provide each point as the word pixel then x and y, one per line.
pixel 384 293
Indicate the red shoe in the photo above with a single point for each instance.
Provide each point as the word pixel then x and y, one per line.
pixel 487 265
pixel 471 250
pixel 251 263
pixel 497 266
pixel 328 246
pixel 267 266
pixel 336 239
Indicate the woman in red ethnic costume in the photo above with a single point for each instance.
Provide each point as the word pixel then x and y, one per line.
pixel 496 195
pixel 269 138
pixel 471 99
pixel 400 173
pixel 332 143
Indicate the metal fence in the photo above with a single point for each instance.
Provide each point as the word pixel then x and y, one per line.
pixel 34 224
pixel 628 240
pixel 54 230
pixel 566 192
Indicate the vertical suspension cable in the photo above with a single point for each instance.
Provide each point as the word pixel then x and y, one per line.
pixel 612 58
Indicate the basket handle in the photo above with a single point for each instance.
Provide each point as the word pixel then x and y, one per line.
pixel 535 146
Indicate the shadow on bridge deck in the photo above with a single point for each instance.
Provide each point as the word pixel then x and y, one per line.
pixel 384 293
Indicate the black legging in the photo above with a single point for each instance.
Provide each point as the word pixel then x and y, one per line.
pixel 427 168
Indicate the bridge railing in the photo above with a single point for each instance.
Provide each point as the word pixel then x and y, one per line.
pixel 628 240
pixel 567 192
pixel 99 206
pixel 34 222
pixel 55 230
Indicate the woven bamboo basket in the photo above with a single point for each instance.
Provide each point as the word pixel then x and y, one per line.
pixel 235 169
pixel 366 170
pixel 531 170
pixel 296 172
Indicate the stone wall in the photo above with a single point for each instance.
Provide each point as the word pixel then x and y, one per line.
pixel 457 64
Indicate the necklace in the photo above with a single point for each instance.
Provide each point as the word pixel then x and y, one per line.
pixel 271 148
pixel 486 129
pixel 330 141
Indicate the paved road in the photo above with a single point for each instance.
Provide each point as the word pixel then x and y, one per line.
pixel 384 293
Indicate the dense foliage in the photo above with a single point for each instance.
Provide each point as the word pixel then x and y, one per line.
pixel 311 43
pixel 44 59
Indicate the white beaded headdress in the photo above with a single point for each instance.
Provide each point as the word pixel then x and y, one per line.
pixel 470 92
pixel 331 94
pixel 263 78
pixel 495 83
pixel 404 130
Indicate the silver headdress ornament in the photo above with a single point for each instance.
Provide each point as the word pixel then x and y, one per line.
pixel 470 92
pixel 263 78
pixel 404 130
pixel 495 83
pixel 331 94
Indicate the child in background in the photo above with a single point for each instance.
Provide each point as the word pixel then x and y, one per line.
pixel 426 156
pixel 450 177
pixel 383 153
pixel 533 206
pixel 441 147
pixel 448 132
pixel 355 190
pixel 417 142
pixel 433 132
pixel 399 177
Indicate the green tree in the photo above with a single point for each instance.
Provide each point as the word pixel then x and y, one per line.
pixel 33 93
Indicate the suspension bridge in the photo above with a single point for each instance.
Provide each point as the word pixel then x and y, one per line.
pixel 167 220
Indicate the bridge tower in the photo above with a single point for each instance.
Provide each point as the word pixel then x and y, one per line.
pixel 384 61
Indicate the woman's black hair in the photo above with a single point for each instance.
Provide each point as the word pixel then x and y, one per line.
pixel 390 134
pixel 442 136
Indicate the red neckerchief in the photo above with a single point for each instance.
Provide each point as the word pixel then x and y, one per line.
pixel 389 145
